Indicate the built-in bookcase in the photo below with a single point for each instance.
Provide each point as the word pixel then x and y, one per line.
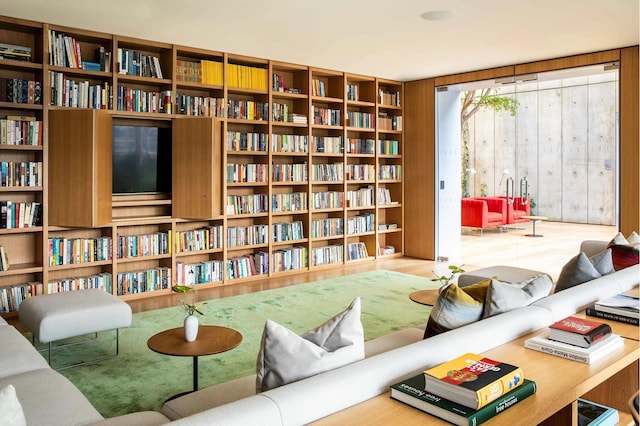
pixel 277 168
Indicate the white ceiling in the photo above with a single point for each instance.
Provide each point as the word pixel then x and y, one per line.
pixel 385 39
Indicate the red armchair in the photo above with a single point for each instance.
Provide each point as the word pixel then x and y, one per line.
pixel 517 209
pixel 487 212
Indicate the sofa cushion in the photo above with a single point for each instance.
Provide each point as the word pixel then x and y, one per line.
pixel 285 357
pixel 580 269
pixel 625 251
pixel 49 398
pixel 502 297
pixel 17 354
pixel 11 413
pixel 456 307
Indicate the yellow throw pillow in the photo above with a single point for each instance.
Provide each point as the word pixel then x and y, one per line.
pixel 457 306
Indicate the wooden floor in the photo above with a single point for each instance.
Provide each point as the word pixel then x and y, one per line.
pixel 549 253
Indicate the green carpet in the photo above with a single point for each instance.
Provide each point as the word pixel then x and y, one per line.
pixel 139 379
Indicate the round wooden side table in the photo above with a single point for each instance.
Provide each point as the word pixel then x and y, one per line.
pixel 212 339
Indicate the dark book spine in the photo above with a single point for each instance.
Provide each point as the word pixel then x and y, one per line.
pixel 591 311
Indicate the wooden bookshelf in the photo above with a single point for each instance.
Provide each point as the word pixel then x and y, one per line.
pixel 296 115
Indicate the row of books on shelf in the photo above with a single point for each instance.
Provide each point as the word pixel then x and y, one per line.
pixel 12 296
pixel 247 266
pixel 389 122
pixel 133 62
pixel 356 251
pixel 289 143
pixel 247 77
pixel 100 281
pixel 327 255
pixel 154 244
pixel 200 106
pixel 288 231
pixel 332 226
pixel 238 236
pixel 206 238
pixel 204 71
pixel 15 52
pixel 69 251
pixel 296 172
pixel 362 120
pixel 138 100
pixel 361 223
pixel 70 92
pixel 288 202
pixel 20 91
pixel 15 214
pixel 288 259
pixel 247 141
pixel 327 116
pixel 247 110
pixel 134 282
pixel 20 173
pixel 199 273
pixel 20 130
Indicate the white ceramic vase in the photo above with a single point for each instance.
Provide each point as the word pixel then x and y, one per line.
pixel 190 328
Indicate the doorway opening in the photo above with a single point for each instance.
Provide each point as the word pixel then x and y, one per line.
pixel 557 152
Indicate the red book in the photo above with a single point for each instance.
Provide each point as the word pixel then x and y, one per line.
pixel 578 331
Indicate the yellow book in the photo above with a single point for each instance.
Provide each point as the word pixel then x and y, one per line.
pixel 472 380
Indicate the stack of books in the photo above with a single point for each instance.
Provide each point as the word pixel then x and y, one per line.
pixel 577 339
pixel 15 52
pixel 621 307
pixel 467 390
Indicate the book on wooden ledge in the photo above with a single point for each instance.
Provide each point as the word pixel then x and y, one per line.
pixel 592 414
pixel 472 380
pixel 621 304
pixel 578 331
pixel 603 347
pixel 412 392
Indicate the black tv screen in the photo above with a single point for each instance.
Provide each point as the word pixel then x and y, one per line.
pixel 141 160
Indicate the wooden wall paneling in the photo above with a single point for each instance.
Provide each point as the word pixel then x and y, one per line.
pixel 466 77
pixel 601 151
pixel 549 196
pixel 568 62
pixel 574 154
pixel 419 173
pixel 629 141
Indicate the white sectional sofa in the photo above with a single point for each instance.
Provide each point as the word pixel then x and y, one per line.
pixel 388 359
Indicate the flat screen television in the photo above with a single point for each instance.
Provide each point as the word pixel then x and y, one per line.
pixel 141 160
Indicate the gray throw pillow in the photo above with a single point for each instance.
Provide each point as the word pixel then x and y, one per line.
pixel 578 270
pixel 603 262
pixel 504 297
pixel 285 357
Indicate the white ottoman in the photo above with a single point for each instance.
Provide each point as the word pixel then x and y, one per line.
pixel 60 316
pixel 507 274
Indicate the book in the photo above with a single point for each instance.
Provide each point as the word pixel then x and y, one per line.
pixel 593 414
pixel 588 355
pixel 621 304
pixel 472 380
pixel 593 312
pixel 578 331
pixel 411 392
pixel 4 259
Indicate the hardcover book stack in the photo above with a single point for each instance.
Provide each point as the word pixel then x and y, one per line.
pixel 578 339
pixel 621 307
pixel 467 390
pixel 15 52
